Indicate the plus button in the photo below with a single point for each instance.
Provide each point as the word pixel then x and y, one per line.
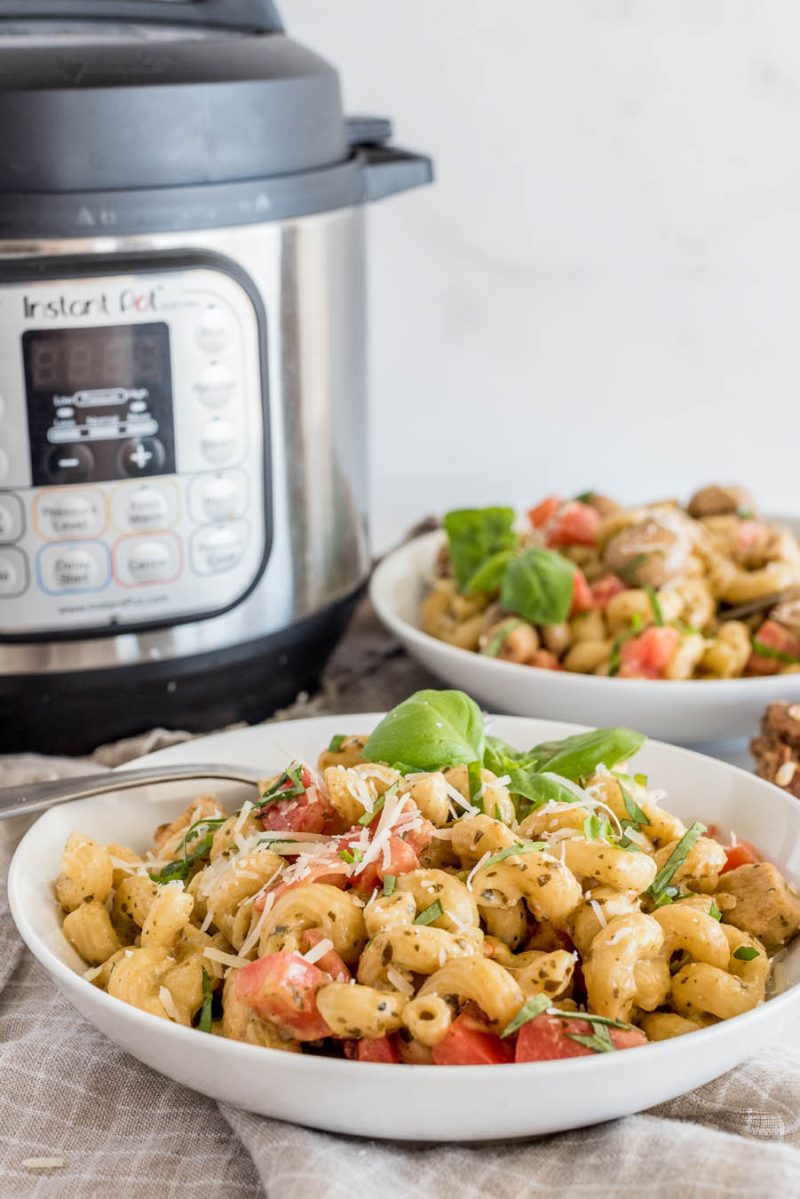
pixel 142 456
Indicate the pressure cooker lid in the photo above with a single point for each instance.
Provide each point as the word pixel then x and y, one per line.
pixel 103 95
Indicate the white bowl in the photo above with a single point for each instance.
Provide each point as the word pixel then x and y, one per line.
pixel 684 712
pixel 420 1103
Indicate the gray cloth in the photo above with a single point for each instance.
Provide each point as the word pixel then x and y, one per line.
pixel 121 1129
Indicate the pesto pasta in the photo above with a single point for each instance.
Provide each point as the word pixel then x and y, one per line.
pixel 431 895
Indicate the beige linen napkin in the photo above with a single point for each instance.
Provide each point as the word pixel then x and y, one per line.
pixel 119 1129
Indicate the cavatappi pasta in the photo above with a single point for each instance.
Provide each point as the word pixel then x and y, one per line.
pixel 456 915
pixel 658 591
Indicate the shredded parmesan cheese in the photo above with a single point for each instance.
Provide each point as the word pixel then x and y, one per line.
pixel 165 995
pixel 398 982
pixel 478 865
pixel 318 951
pixel 599 913
pixel 224 959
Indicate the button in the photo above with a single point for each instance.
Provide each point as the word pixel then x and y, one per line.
pixel 13 573
pixel 219 442
pixel 142 506
pixel 65 515
pixel 74 568
pixel 218 548
pixel 70 464
pixel 140 560
pixel 12 519
pixel 5 464
pixel 215 385
pixel 214 329
pixel 141 456
pixel 218 497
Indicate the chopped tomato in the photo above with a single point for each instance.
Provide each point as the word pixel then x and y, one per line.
pixel 748 535
pixel 742 854
pixel 377 1049
pixel 546 1038
pixel 330 962
pixel 330 871
pixel 574 523
pixel 604 590
pixel 469 1041
pixel 542 513
pixel 777 638
pixel 402 858
pixel 582 598
pixel 282 987
pixel 647 656
pixel 311 812
pixel 546 660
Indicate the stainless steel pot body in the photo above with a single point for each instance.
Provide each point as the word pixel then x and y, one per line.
pixel 306 280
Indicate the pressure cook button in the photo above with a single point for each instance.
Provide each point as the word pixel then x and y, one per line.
pixel 214 329
pixel 147 559
pixel 141 456
pixel 218 548
pixel 12 520
pixel 64 514
pixel 70 568
pixel 215 385
pixel 218 497
pixel 70 464
pixel 219 441
pixel 13 574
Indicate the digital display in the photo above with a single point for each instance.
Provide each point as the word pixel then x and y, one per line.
pixel 99 403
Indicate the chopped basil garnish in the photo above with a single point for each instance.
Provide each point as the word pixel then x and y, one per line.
pixel 389 884
pixel 501 636
pixel 498 815
pixel 600 1040
pixel 431 913
pixel 586 497
pixel 510 851
pixel 640 779
pixel 635 813
pixel 596 828
pixel 336 743
pixel 714 911
pixel 181 868
pixel 780 655
pixel 745 953
pixel 591 1019
pixel 288 785
pixel 676 859
pixel 351 855
pixel 205 1012
pixel 529 1011
pixel 538 586
pixel 368 817
pixel 655 604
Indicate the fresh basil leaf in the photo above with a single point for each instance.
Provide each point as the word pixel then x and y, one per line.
pixel 490 575
pixel 205 1012
pixel 599 1042
pixel 475 784
pixel 511 851
pixel 578 756
pixel 676 859
pixel 431 913
pixel 745 953
pixel 538 585
pixel 476 534
pixel 428 730
pixel 596 828
pixel 635 813
pixel 288 785
pixel 529 1011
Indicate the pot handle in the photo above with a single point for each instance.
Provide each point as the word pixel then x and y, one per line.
pixel 249 16
pixel 386 169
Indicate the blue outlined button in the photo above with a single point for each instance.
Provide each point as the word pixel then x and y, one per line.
pixel 74 568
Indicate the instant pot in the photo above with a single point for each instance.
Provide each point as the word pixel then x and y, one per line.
pixel 182 364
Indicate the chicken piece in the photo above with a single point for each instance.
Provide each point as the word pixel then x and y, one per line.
pixel 721 501
pixel 777 749
pixel 649 553
pixel 758 900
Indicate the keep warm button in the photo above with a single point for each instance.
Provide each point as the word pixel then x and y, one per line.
pixel 219 548
pixel 142 560
pixel 70 569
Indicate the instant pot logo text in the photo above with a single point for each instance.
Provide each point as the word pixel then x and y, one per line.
pixel 129 300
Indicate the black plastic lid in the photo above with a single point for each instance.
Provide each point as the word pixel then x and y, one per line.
pixel 159 93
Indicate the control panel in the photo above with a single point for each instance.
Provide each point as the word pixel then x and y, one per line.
pixel 132 450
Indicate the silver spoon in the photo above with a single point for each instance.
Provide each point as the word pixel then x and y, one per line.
pixel 38 797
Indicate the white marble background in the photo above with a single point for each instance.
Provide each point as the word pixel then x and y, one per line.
pixel 603 289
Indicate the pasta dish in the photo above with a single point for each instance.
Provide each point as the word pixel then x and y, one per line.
pixel 709 591
pixel 430 894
